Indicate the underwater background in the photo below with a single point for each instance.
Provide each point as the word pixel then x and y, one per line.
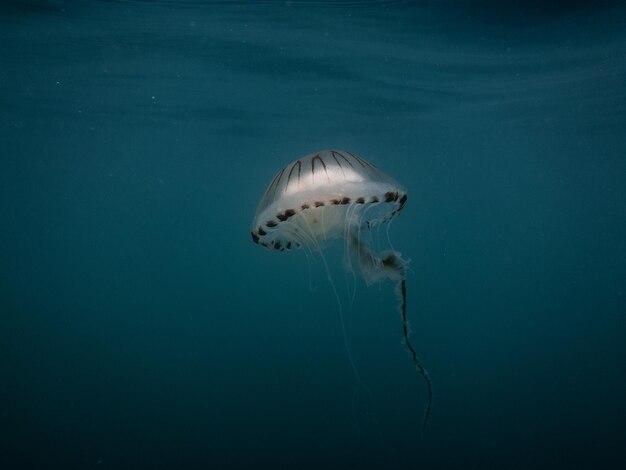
pixel 140 327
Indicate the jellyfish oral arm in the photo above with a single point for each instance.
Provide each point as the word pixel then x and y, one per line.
pixel 375 267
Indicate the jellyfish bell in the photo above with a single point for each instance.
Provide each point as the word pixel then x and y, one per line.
pixel 336 194
pixel 322 196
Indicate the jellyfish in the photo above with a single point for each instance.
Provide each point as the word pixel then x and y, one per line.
pixel 336 194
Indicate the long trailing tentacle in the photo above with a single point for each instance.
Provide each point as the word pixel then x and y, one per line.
pixel 390 265
pixel 418 364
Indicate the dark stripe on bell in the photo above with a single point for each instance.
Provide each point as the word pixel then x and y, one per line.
pixel 317 157
pixel 335 153
pixel 299 165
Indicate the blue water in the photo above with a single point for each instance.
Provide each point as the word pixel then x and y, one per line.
pixel 140 327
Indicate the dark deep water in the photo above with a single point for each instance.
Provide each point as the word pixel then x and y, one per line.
pixel 141 328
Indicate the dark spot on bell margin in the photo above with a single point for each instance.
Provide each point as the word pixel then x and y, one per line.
pixel 360 200
pixel 345 200
pixel 389 197
pixel 319 203
pixel 255 237
pixel 289 245
pixel 335 202
pixel 261 232
pixel 277 245
pixel 304 206
pixel 271 223
pixel 374 199
pixel 285 215
pixel 403 200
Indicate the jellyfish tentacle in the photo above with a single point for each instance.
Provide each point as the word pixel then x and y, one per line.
pixel 347 341
pixel 418 364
